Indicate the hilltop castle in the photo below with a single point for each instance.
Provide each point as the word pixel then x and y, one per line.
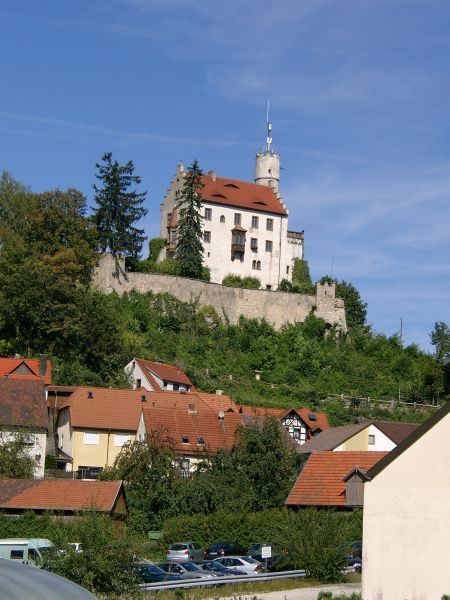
pixel 245 225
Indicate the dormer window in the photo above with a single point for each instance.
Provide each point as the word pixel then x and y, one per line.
pixel 201 440
pixel 185 439
pixel 231 185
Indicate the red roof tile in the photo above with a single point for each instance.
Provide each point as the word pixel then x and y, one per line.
pixel 22 402
pixel 189 415
pixel 219 402
pixel 320 483
pixel 108 408
pixel 163 371
pixel 9 367
pixel 59 494
pixel 241 194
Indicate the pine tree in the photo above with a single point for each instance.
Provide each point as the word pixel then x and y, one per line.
pixel 118 208
pixel 189 253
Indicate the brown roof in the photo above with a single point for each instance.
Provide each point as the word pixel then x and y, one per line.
pixel 163 371
pixel 219 402
pixel 24 368
pixel 333 437
pixel 319 422
pixel 241 194
pixel 59 494
pixel 189 415
pixel 22 402
pixel 104 408
pixel 321 481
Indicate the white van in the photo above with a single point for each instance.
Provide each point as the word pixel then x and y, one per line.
pixel 27 551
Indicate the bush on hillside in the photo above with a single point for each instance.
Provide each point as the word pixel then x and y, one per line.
pixel 249 283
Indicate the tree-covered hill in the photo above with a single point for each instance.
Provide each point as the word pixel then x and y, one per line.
pixel 48 247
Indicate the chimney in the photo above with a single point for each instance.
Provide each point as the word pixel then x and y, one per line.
pixel 192 409
pixel 221 415
pixel 219 392
pixel 42 365
pixel 16 356
pixel 212 174
pixel 258 375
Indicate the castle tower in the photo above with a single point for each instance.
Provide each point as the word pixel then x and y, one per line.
pixel 267 170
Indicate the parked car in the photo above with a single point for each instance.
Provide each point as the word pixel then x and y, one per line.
pixel 27 551
pixel 223 549
pixel 255 551
pixel 353 556
pixel 243 563
pixel 216 567
pixel 186 570
pixel 185 551
pixel 147 573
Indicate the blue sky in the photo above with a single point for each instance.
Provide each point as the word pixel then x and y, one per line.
pixel 359 93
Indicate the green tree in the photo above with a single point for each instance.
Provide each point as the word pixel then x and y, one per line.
pixel 440 338
pixel 15 460
pixel 189 254
pixel 118 208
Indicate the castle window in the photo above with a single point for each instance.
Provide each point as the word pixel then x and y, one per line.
pixel 258 265
pixel 222 218
pixel 207 236
pixel 254 264
pixel 254 244
pixel 269 224
pixel 255 221
pixel 287 270
pixel 269 245
pixel 208 214
pixel 237 218
pixel 268 287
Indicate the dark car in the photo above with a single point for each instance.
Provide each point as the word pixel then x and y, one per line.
pixel 152 574
pixel 353 556
pixel 186 570
pixel 212 566
pixel 223 549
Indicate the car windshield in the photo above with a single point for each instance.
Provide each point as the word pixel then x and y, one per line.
pixel 190 566
pixel 255 548
pixel 178 547
pixel 216 565
pixel 153 569
pixel 249 559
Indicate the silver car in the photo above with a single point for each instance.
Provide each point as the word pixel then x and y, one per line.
pixel 249 565
pixel 185 551
pixel 186 570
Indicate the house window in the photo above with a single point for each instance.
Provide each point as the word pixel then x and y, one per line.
pixel 207 236
pixel 176 387
pixel 208 214
pixel 254 244
pixel 268 287
pixel 138 383
pixel 29 440
pixel 268 245
pixel 269 224
pixel 254 264
pixel 185 439
pixel 201 440
pixel 255 222
pixel 371 440
pixel 237 218
pixel 173 235
pixel 120 439
pixel 90 438
pixel 287 270
pixel 222 218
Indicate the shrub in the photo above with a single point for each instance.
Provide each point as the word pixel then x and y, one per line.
pixel 250 283
pixel 155 246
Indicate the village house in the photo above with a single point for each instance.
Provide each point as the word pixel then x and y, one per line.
pixel 197 429
pixel 245 224
pixel 367 435
pixel 93 424
pixel 406 526
pixel 333 479
pixel 157 377
pixel 23 410
pixel 31 369
pixel 62 497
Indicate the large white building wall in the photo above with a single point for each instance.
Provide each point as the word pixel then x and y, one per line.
pixel 406 528
pixel 361 441
pixel 35 448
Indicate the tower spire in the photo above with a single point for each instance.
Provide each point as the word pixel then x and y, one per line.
pixel 269 130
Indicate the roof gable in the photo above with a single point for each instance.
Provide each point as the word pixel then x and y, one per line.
pixel 321 483
pixel 27 368
pixel 164 371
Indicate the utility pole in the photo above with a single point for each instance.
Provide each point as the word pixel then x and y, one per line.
pixel 401 331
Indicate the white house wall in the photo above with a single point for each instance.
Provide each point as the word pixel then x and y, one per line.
pixel 360 441
pixel 36 451
pixel 406 529
pixel 64 431
pixel 135 371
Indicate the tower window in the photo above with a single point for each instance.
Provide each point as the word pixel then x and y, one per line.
pixel 207 236
pixel 208 214
pixel 254 244
pixel 222 218
pixel 237 218
pixel 269 224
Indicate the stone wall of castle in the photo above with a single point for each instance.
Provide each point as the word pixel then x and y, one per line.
pixel 278 308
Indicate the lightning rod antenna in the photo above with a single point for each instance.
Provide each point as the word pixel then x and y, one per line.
pixel 269 130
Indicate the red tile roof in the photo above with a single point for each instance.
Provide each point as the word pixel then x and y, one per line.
pixel 241 194
pixel 59 494
pixel 321 481
pixel 163 371
pixel 108 408
pixel 23 402
pixel 219 402
pixel 9 367
pixel 321 421
pixel 189 415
